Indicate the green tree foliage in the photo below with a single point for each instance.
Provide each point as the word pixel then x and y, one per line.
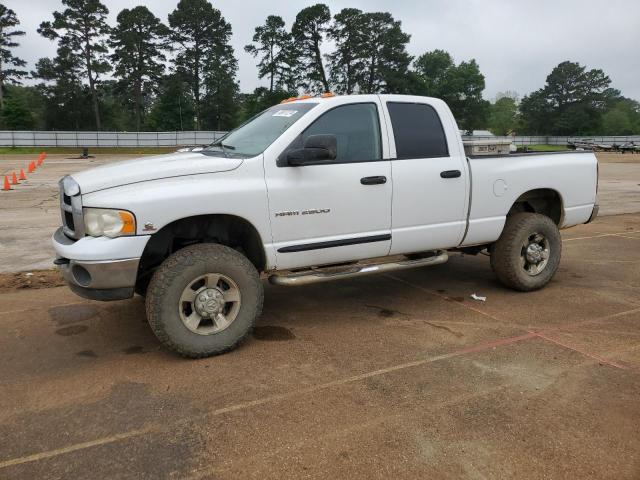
pixel 22 109
pixel 173 108
pixel 201 91
pixel 571 103
pixel 308 33
pixel 220 101
pixel 81 31
pixel 461 86
pixel 345 62
pixel 503 114
pixel 370 54
pixel 622 119
pixel 202 36
pixel 261 99
pixel 10 71
pixel 138 41
pixel 67 100
pixel 278 57
pixel 385 59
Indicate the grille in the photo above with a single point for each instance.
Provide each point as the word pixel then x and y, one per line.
pixel 71 209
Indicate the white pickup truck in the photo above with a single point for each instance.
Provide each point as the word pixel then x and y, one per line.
pixel 313 189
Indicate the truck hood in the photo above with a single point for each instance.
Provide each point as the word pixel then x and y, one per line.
pixel 152 168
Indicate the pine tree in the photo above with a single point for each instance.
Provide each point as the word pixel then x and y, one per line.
pixel 385 58
pixel 275 47
pixel 9 64
pixel 138 41
pixel 81 31
pixel 308 33
pixel 202 35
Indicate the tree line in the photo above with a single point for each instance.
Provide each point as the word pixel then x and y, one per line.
pixel 573 101
pixel 146 74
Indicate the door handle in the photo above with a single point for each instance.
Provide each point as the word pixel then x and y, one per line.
pixel 451 174
pixel 373 180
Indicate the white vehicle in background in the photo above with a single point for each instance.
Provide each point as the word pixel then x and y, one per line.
pixel 311 190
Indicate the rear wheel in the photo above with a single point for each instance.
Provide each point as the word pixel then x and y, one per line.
pixel 527 254
pixel 204 300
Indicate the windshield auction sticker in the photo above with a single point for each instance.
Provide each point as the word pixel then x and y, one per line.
pixel 285 113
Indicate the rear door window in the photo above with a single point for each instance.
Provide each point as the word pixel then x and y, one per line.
pixel 417 130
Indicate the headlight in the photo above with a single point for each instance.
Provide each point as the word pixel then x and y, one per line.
pixel 100 222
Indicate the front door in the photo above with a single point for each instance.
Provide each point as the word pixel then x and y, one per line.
pixel 335 212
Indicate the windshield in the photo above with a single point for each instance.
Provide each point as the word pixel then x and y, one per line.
pixel 254 136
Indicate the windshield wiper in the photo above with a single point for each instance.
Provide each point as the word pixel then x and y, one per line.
pixel 223 145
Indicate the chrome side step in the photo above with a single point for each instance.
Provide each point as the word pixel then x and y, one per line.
pixel 325 274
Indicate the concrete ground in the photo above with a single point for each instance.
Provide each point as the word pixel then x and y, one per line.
pixel 30 213
pixel 394 376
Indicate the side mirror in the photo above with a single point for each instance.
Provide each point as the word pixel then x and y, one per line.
pixel 318 149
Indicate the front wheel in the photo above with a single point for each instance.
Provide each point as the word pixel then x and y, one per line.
pixel 204 300
pixel 527 254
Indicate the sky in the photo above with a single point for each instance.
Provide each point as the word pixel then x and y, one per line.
pixel 515 42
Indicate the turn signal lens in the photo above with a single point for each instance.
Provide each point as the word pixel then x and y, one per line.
pixel 128 222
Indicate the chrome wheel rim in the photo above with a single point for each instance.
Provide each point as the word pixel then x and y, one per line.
pixel 209 304
pixel 534 255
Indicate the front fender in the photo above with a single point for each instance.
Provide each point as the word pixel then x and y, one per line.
pixel 157 203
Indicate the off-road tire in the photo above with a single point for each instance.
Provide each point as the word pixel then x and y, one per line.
pixel 171 278
pixel 506 252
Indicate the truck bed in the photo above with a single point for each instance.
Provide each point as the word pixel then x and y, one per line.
pixel 497 182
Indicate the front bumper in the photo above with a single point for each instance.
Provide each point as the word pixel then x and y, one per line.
pixel 95 279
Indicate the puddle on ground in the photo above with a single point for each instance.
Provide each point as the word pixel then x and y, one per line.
pixel 455 299
pixel 68 314
pixel 134 349
pixel 272 333
pixel 72 330
pixel 385 312
pixel 87 353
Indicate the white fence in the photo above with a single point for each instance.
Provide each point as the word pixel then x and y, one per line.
pixel 11 138
pixel 548 140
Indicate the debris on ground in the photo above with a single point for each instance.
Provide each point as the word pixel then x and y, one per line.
pixel 36 279
pixel 478 297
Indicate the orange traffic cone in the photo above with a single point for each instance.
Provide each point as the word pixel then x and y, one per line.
pixel 41 158
pixel 14 179
pixel 22 176
pixel 32 167
pixel 7 185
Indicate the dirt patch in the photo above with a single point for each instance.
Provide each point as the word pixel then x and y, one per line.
pixel 36 279
pixel 69 314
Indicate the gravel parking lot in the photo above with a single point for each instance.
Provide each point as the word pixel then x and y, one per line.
pixel 392 376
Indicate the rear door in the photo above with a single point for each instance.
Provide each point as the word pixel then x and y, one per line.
pixel 430 179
